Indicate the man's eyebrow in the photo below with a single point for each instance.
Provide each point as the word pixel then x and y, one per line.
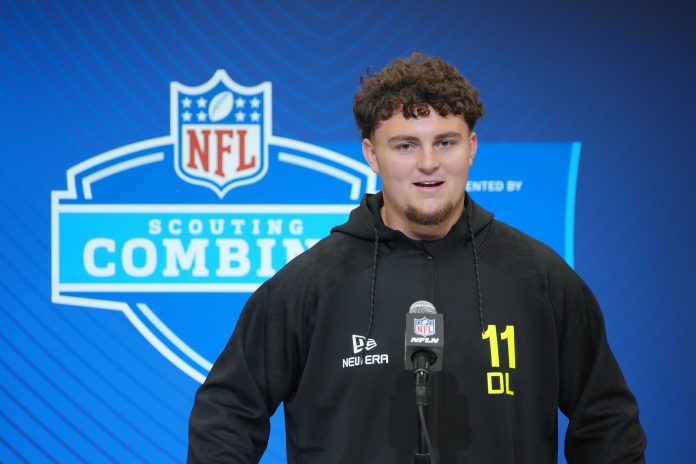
pixel 411 138
pixel 449 135
pixel 403 138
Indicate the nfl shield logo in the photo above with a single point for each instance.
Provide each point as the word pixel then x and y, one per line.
pixel 424 327
pixel 221 132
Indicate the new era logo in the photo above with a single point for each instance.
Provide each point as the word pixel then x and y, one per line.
pixel 359 344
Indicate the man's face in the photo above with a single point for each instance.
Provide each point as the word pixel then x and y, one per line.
pixel 424 163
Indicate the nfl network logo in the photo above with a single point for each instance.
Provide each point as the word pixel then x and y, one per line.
pixel 424 327
pixel 176 232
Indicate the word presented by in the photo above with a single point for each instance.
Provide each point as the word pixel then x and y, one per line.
pixel 509 186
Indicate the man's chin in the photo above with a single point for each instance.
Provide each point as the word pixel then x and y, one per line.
pixel 429 218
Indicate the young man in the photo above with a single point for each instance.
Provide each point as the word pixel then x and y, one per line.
pixel 325 336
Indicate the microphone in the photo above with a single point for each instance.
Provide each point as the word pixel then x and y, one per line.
pixel 424 341
pixel 424 338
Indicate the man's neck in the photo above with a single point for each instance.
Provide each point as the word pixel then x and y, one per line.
pixel 417 231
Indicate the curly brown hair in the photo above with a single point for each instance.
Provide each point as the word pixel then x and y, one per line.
pixel 414 85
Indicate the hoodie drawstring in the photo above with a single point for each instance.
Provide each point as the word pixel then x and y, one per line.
pixel 476 268
pixel 372 289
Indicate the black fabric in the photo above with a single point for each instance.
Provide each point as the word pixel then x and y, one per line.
pixel 294 343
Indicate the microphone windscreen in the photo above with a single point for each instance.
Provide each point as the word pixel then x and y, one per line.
pixel 422 307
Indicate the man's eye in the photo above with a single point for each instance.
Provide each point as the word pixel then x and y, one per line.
pixel 446 143
pixel 404 146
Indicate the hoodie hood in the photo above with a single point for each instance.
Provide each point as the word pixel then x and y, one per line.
pixel 366 220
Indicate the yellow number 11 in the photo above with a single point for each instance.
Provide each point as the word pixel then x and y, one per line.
pixel 491 334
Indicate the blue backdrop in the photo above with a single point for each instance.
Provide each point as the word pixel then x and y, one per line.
pixel 79 79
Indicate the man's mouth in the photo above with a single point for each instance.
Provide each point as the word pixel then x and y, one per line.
pixel 428 183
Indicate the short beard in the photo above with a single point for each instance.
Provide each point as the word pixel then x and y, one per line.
pixel 433 218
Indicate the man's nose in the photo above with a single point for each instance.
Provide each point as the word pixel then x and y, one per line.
pixel 428 161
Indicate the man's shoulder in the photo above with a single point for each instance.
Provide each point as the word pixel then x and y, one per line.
pixel 332 249
pixel 508 238
pixel 519 253
pixel 326 261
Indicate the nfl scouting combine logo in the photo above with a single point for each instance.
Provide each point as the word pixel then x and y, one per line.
pixel 177 231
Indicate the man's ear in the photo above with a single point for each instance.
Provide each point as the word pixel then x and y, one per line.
pixel 369 153
pixel 473 145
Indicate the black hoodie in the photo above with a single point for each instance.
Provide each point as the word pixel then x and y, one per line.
pixel 325 336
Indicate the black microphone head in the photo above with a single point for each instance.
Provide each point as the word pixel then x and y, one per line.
pixel 422 307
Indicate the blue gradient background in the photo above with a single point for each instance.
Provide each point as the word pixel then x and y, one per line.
pixel 82 77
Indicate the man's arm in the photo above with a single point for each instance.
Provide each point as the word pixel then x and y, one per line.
pixel 255 372
pixel 603 413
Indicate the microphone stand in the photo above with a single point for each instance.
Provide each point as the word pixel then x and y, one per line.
pixel 422 372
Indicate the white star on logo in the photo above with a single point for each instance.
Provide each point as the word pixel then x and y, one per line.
pixel 255 102
pixel 201 116
pixel 186 116
pixel 186 102
pixel 239 116
pixel 240 102
pixel 255 116
pixel 201 102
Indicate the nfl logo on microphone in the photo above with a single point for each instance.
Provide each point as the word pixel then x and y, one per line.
pixel 424 327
